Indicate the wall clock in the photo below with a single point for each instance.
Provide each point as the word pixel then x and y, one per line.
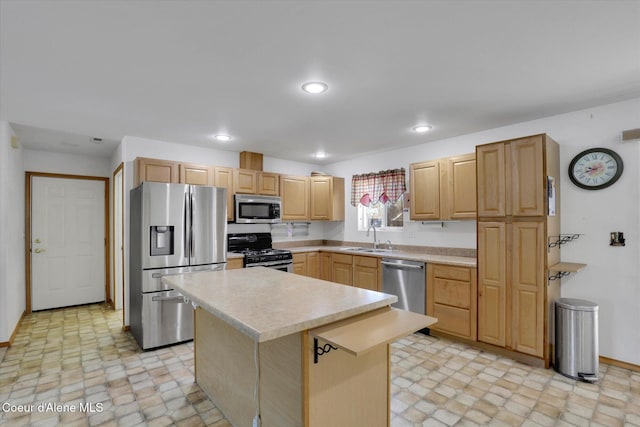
pixel 595 168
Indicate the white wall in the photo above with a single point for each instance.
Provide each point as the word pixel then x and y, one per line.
pixel 12 287
pixel 65 163
pixel 612 277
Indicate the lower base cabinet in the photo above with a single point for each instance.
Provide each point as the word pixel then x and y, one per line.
pixel 452 299
pixel 348 386
pixel 234 263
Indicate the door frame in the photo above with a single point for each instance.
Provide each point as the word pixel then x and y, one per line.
pixel 119 169
pixel 27 222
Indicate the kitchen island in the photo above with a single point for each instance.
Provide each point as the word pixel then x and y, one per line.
pixel 297 351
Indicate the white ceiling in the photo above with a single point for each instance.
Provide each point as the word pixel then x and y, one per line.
pixel 182 71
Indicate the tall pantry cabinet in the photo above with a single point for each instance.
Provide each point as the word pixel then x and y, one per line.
pixel 518 212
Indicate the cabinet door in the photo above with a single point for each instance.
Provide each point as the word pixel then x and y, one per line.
pixel 325 266
pixel 491 182
pixel 300 264
pixel 320 197
pixel 245 181
pixel 155 170
pixel 342 269
pixel 234 263
pixel 313 265
pixel 294 191
pixel 528 189
pixel 527 286
pixel 461 187
pixel 365 272
pixel 223 177
pixel 425 190
pixel 268 183
pixel 196 174
pixel 492 282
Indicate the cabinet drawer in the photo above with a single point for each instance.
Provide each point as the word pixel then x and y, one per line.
pixel 366 261
pixel 452 320
pixel 455 273
pixel 452 292
pixel 342 258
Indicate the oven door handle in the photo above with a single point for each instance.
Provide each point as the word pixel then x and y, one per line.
pixel 270 264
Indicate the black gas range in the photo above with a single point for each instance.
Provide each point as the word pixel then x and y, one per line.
pixel 257 251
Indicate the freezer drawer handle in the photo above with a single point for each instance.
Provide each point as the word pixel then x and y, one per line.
pixel 402 266
pixel 178 299
pixel 156 275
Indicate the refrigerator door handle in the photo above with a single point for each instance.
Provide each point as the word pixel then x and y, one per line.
pixel 191 219
pixel 186 225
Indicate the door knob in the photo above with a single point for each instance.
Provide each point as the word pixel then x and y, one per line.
pixel 40 250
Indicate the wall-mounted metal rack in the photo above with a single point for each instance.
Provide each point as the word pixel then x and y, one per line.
pixel 562 239
pixel 320 350
pixel 563 269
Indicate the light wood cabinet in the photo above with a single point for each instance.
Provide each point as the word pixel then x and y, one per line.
pixel 313 264
pixel 460 187
pixel 511 178
pixel 355 270
pixel 366 272
pixel 342 269
pixel 223 177
pixel 294 192
pixel 515 297
pixel 234 263
pixel 425 190
pixel 155 170
pixel 452 299
pixel 325 265
pixel 245 181
pixel 444 189
pixel 268 183
pixel 300 263
pixel 326 198
pixel 194 174
pixel 307 264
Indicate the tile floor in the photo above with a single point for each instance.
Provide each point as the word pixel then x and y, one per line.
pixel 80 358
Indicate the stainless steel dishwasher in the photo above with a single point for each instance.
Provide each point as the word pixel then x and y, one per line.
pixel 406 280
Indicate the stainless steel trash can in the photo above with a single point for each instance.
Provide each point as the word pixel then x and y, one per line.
pixel 576 350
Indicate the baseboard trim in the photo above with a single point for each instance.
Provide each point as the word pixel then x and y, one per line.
pixel 620 364
pixel 126 328
pixel 15 331
pixel 520 357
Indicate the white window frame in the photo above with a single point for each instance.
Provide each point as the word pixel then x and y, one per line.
pixel 363 218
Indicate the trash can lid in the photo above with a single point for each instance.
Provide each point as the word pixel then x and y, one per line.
pixel 577 304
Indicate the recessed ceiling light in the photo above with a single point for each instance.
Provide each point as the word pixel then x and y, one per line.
pixel 422 128
pixel 315 87
pixel 320 155
pixel 221 137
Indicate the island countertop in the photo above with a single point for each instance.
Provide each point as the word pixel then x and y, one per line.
pixel 266 304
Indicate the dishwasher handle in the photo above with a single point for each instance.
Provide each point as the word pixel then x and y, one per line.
pixel 402 266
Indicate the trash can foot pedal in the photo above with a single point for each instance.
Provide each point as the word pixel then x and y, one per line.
pixel 590 378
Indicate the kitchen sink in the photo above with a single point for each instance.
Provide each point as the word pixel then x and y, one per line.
pixel 368 250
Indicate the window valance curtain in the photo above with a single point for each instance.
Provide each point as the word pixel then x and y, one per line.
pixel 383 186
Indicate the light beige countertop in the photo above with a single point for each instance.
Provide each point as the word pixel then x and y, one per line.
pixel 266 304
pixel 398 254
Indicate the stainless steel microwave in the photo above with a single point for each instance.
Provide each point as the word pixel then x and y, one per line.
pixel 256 209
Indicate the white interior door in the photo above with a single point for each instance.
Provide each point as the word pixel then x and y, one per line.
pixel 68 242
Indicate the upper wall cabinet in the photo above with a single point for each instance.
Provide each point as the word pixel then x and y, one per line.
pixel 223 177
pixel 294 191
pixel 327 198
pixel 444 189
pixel 155 170
pixel 511 178
pixel 247 181
pixel 196 174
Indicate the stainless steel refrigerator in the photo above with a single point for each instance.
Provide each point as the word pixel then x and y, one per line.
pixel 174 229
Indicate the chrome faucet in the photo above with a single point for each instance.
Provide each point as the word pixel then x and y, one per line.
pixel 375 239
pixel 388 242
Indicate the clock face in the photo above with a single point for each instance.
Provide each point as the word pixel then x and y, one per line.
pixel 595 168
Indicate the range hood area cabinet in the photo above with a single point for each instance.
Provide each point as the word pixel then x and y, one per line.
pixel 515 298
pixel 443 189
